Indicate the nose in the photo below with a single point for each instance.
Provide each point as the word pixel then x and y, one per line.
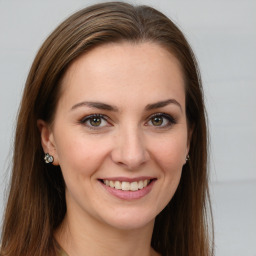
pixel 129 149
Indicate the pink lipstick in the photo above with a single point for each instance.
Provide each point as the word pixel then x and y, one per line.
pixel 128 188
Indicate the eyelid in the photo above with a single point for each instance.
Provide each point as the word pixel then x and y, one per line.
pixel 170 118
pixel 88 117
pixel 85 118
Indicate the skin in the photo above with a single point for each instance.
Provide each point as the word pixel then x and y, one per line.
pixel 128 142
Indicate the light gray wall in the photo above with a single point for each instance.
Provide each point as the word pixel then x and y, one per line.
pixel 223 36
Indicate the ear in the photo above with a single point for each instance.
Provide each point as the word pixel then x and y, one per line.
pixel 47 140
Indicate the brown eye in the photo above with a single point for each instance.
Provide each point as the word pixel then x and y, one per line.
pixel 157 120
pixel 95 121
pixel 161 120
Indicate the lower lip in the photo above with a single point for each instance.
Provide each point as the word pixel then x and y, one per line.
pixel 129 195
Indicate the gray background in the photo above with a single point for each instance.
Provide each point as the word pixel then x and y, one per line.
pixel 223 36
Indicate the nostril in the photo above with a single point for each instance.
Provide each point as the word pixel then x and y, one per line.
pixel 130 151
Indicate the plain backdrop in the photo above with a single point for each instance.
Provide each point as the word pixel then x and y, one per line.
pixel 223 36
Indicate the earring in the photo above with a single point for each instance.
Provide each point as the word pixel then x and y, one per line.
pixel 187 158
pixel 48 158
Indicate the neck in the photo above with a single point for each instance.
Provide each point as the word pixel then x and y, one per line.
pixel 83 235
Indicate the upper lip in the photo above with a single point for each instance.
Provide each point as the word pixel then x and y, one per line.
pixel 127 179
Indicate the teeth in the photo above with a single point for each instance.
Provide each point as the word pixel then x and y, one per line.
pixel 127 186
pixel 134 186
pixel 118 185
pixel 106 182
pixel 111 184
pixel 141 184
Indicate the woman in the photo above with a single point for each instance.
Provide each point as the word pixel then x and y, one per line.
pixel 110 153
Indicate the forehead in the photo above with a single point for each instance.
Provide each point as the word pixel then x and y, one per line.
pixel 123 70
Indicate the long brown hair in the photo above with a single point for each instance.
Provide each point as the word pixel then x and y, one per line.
pixel 36 204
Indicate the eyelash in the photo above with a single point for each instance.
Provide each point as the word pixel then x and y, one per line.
pixel 170 120
pixel 90 117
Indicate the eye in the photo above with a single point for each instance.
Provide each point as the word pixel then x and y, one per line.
pixel 95 121
pixel 161 120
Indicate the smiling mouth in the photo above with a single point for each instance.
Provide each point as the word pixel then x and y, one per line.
pixel 127 186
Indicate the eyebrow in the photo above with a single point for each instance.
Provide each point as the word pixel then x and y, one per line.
pixel 104 106
pixel 162 104
pixel 98 105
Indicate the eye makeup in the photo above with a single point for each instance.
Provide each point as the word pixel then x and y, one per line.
pixel 161 120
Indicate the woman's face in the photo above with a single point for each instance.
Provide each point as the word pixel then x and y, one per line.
pixel 120 134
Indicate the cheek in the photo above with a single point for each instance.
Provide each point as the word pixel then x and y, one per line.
pixel 169 156
pixel 171 152
pixel 80 155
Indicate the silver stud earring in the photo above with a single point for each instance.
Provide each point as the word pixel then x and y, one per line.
pixel 48 158
pixel 187 158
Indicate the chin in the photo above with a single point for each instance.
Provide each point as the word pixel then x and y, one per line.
pixel 130 220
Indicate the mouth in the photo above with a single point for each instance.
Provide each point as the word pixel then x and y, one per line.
pixel 128 189
pixel 127 186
